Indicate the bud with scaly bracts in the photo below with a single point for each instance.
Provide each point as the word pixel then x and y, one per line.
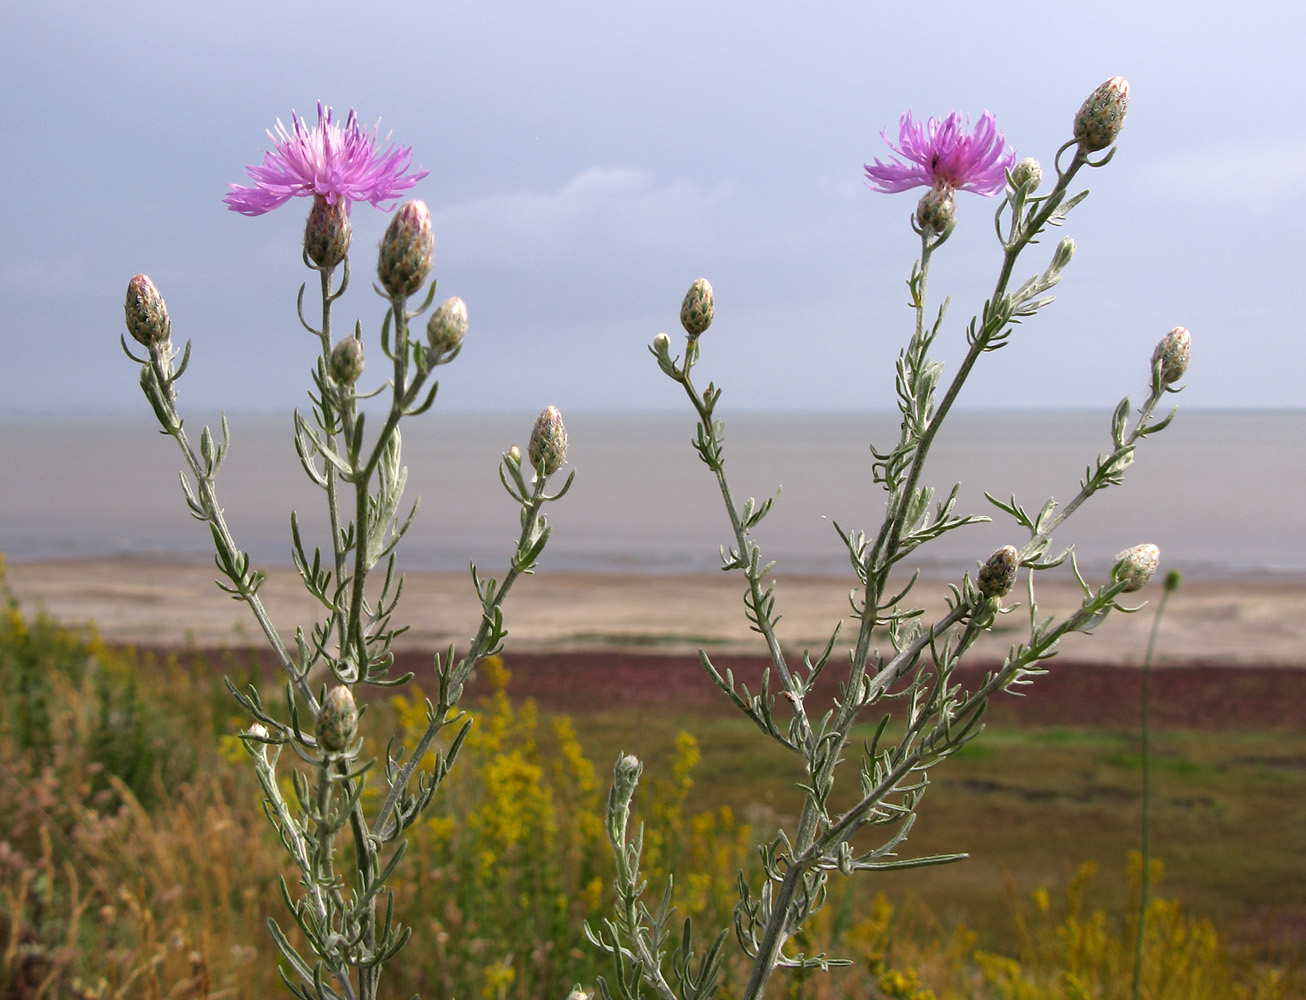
pixel 697 310
pixel 347 361
pixel 1173 354
pixel 445 330
pixel 548 444
pixel 327 234
pixel 337 722
pixel 937 209
pixel 1027 174
pixel 1102 116
pixel 998 575
pixel 147 316
pixel 407 250
pixel 1136 566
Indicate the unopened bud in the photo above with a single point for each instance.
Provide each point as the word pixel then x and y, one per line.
pixel 697 310
pixel 514 453
pixel 407 250
pixel 258 733
pixel 1063 255
pixel 147 316
pixel 626 777
pixel 548 444
pixel 446 328
pixel 1136 566
pixel 1102 116
pixel 327 234
pixel 661 345
pixel 937 209
pixel 998 575
pixel 1027 174
pixel 337 722
pixel 1172 354
pixel 347 361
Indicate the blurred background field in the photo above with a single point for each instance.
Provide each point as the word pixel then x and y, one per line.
pixel 134 860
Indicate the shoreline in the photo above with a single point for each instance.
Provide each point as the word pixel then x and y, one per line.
pixel 158 602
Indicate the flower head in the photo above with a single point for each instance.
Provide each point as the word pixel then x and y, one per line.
pixel 945 154
pixel 147 315
pixel 340 163
pixel 446 329
pixel 337 721
pixel 1101 117
pixel 407 250
pixel 548 445
pixel 699 307
pixel 1136 566
pixel 1172 355
pixel 998 575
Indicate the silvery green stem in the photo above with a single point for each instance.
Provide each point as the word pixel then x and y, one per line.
pixel 347 408
pixel 746 555
pixel 1145 883
pixel 397 811
pixel 203 503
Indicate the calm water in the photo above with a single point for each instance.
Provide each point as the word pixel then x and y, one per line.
pixel 1221 493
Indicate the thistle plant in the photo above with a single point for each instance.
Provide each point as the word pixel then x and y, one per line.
pixel 314 795
pixel 897 657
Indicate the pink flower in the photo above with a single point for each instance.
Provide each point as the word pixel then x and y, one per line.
pixel 945 154
pixel 330 161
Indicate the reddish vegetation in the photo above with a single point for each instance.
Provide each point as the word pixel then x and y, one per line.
pixel 1070 694
pixel 1073 694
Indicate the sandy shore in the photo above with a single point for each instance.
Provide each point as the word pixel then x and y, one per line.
pixel 148 602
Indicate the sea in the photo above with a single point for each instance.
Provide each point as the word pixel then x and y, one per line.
pixel 1221 492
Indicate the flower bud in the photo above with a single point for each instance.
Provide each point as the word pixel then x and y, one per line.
pixel 255 746
pixel 1172 355
pixel 1136 566
pixel 1063 255
pixel 1102 116
pixel 937 209
pixel 1027 174
pixel 347 361
pixel 625 777
pixel 662 345
pixel 327 234
pixel 548 444
pixel 337 722
pixel 407 250
pixel 697 310
pixel 629 766
pixel 514 453
pixel 446 328
pixel 147 316
pixel 998 575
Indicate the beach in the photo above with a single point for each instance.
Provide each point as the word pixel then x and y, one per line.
pixel 1254 622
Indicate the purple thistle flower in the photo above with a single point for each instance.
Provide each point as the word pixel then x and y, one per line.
pixel 945 154
pixel 330 161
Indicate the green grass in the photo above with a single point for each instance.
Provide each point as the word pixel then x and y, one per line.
pixel 1029 805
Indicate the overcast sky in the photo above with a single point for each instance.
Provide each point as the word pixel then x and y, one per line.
pixel 589 160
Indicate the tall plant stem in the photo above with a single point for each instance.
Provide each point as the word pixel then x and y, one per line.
pixel 1145 885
